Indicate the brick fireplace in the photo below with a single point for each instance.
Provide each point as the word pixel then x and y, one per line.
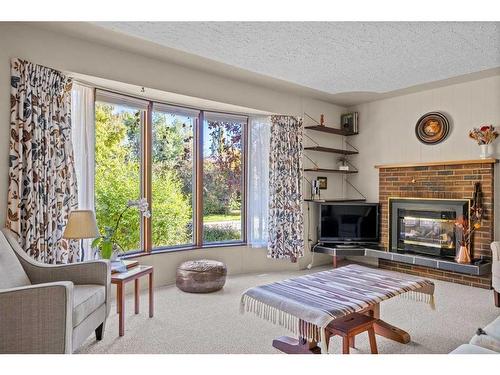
pixel 451 181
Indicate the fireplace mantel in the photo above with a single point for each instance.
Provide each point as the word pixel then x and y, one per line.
pixel 437 163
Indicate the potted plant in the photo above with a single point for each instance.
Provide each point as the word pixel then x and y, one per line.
pixel 484 136
pixel 343 163
pixel 107 244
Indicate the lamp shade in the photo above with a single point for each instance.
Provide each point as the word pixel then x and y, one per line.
pixel 81 224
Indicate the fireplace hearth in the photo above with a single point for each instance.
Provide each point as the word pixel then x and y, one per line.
pixel 425 226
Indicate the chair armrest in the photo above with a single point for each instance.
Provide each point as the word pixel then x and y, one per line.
pixel 92 272
pixel 37 318
pixel 495 249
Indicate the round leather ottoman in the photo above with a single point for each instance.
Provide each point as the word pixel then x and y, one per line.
pixel 201 276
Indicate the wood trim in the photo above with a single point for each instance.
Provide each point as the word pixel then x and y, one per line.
pixel 325 170
pixel 183 248
pixel 434 163
pixel 147 136
pixel 330 150
pixel 329 130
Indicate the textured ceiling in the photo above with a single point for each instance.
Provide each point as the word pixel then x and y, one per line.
pixel 335 57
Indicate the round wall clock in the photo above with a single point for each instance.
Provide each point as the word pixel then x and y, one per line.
pixel 432 128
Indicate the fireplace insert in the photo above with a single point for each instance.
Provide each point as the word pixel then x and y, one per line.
pixel 427 231
pixel 425 226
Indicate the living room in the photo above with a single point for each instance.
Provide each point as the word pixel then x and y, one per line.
pixel 182 187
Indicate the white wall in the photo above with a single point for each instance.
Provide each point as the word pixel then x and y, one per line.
pixel 387 129
pixel 72 54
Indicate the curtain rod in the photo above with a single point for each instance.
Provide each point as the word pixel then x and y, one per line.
pixel 94 86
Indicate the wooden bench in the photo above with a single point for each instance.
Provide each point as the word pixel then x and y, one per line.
pixel 348 327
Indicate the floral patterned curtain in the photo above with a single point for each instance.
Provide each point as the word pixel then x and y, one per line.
pixel 286 220
pixel 42 183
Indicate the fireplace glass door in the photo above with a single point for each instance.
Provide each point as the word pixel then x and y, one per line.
pixel 429 232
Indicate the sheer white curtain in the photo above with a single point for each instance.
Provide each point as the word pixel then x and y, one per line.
pixel 83 138
pixel 258 180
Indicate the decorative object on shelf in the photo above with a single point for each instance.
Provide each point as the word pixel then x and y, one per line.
pixel 466 228
pixel 349 122
pixel 463 256
pixel 484 136
pixel 107 244
pixel 323 182
pixel 315 192
pixel 81 225
pixel 432 128
pixel 322 120
pixel 343 163
pixel 476 210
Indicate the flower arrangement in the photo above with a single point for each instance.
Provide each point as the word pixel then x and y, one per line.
pixel 484 135
pixel 107 243
pixel 464 230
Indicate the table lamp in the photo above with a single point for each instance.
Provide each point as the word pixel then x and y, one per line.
pixel 81 225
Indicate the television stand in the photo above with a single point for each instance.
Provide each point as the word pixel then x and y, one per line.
pixel 340 250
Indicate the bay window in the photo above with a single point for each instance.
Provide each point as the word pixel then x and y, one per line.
pixel 189 164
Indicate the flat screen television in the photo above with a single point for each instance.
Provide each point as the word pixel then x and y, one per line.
pixel 349 223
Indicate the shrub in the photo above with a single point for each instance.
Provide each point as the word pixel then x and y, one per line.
pixel 219 233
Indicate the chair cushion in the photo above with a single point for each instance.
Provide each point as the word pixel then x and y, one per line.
pixel 87 298
pixel 472 349
pixel 11 272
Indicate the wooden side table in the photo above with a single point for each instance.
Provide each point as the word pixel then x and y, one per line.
pixel 120 279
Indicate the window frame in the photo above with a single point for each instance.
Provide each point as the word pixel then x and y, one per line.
pixel 146 178
pixel 139 104
pixel 244 186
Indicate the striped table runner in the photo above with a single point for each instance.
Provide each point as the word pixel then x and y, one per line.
pixel 319 298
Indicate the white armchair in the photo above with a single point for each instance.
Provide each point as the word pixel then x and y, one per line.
pixel 495 271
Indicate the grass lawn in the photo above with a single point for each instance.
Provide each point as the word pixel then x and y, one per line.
pixel 233 216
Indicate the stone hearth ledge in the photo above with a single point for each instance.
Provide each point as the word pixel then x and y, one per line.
pixel 484 268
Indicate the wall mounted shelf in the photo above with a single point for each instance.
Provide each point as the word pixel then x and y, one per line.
pixel 330 130
pixel 319 127
pixel 331 150
pixel 339 200
pixel 325 170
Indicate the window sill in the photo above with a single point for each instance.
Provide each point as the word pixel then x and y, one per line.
pixel 178 249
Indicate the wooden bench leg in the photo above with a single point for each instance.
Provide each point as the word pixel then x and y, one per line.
pixel 497 298
pixel 352 342
pixel 373 342
pixel 345 345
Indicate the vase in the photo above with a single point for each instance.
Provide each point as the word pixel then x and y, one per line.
pixel 485 151
pixel 463 256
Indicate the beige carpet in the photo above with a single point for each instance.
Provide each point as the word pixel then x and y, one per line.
pixel 211 323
